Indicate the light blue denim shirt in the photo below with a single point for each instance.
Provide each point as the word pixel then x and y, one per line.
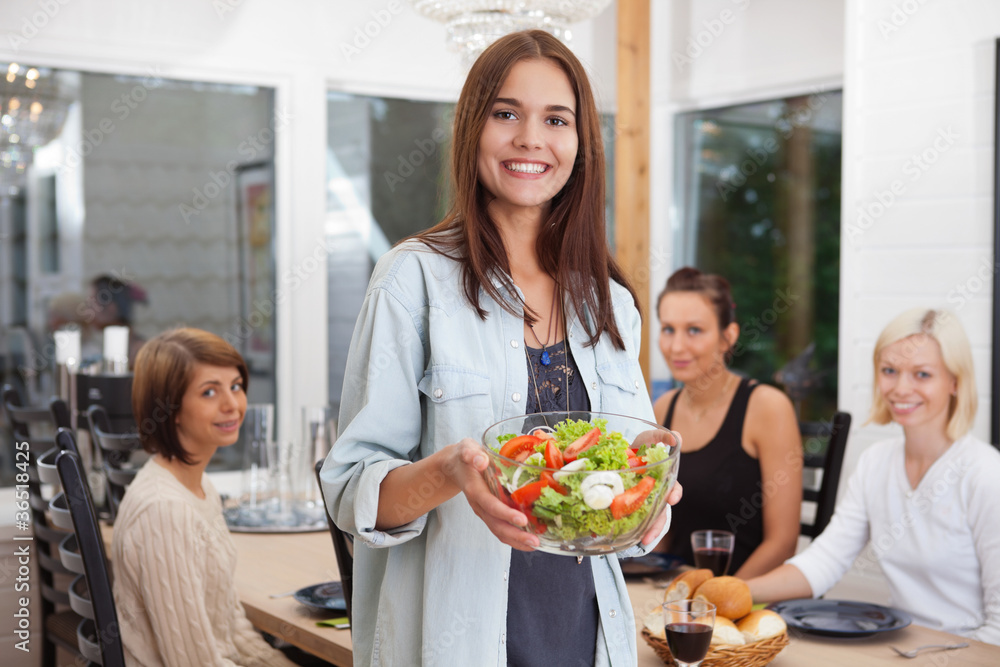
pixel 424 371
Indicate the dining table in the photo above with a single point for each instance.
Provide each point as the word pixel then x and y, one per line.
pixel 277 564
pixel 811 650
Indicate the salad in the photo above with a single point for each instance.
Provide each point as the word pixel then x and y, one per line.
pixel 579 480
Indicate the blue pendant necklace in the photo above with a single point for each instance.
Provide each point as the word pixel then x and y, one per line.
pixel 545 358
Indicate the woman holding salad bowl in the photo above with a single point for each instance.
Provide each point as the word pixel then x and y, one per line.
pixel 512 305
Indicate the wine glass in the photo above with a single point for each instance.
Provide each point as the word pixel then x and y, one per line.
pixel 713 549
pixel 689 625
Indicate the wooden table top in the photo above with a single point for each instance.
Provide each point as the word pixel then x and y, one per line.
pixel 277 563
pixel 813 651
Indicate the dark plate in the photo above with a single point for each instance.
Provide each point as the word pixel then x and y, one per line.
pixel 328 596
pixel 651 564
pixel 840 618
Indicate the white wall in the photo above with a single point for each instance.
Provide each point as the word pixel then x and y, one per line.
pixel 919 81
pixel 300 47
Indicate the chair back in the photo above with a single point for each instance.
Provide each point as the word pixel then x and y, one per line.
pixel 22 418
pixel 116 452
pixel 58 627
pixel 821 472
pixel 343 547
pixel 99 630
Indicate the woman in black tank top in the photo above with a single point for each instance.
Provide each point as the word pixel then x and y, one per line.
pixel 741 462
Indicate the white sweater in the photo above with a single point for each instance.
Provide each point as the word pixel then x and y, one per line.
pixel 938 545
pixel 174 562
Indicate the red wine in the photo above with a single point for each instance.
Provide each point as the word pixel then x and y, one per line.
pixel 688 642
pixel 715 559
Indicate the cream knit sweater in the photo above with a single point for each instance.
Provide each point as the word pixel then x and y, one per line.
pixel 174 562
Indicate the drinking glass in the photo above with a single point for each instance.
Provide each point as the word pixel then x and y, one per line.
pixel 319 431
pixel 260 483
pixel 258 423
pixel 689 625
pixel 713 549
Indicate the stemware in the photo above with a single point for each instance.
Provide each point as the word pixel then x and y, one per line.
pixel 713 549
pixel 689 625
pixel 319 431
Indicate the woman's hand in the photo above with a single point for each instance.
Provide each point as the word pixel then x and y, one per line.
pixel 464 467
pixel 674 497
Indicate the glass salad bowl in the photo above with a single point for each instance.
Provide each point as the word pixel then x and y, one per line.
pixel 590 483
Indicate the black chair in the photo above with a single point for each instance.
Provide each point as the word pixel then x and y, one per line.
pixel 821 472
pixel 58 621
pixel 98 633
pixel 116 451
pixel 343 547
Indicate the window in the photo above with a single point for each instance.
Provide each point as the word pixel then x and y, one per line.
pixel 387 164
pixel 758 192
pixel 141 184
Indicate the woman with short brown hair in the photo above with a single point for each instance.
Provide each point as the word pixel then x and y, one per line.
pixel 174 559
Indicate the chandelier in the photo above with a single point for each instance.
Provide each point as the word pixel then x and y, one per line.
pixel 472 25
pixel 34 102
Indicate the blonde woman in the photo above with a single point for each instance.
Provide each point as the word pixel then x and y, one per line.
pixel 925 502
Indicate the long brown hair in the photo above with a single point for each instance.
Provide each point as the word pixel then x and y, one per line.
pixel 163 370
pixel 572 245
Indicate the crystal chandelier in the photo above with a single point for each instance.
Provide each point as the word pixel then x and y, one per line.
pixel 34 102
pixel 472 25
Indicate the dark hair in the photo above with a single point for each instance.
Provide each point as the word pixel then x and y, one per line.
pixel 163 371
pixel 109 289
pixel 572 245
pixel 713 287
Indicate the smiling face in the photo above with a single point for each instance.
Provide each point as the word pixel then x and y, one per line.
pixel 212 410
pixel 915 383
pixel 529 143
pixel 690 339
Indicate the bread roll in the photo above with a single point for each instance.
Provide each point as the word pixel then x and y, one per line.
pixel 761 624
pixel 725 633
pixel 684 585
pixel 654 623
pixel 731 596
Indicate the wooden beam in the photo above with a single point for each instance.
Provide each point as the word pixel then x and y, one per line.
pixel 632 155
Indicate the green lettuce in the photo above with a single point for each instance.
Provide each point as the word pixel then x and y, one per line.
pixel 567 517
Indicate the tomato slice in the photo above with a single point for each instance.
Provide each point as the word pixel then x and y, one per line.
pixel 551 482
pixel 536 524
pixel 543 435
pixel 631 499
pixel 526 496
pixel 505 497
pixel 522 444
pixel 581 444
pixel 635 462
pixel 553 457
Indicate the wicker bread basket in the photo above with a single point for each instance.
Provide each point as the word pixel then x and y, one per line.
pixel 757 654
